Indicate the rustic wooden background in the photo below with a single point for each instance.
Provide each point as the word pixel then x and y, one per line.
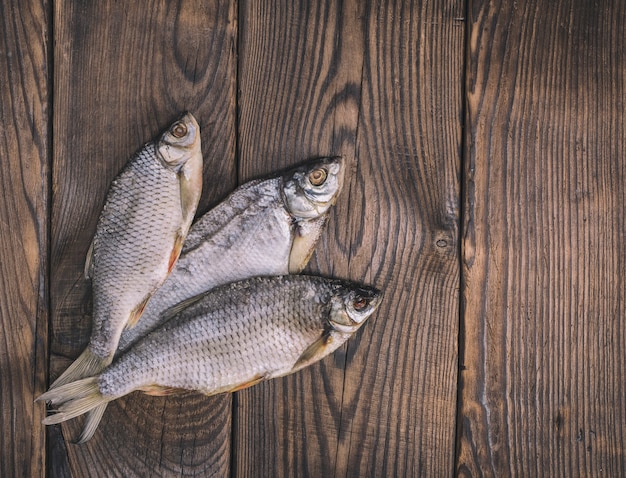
pixel 488 143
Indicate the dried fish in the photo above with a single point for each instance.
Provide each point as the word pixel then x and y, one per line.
pixel 228 339
pixel 147 215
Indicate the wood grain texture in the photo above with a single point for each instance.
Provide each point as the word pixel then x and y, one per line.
pixel 381 85
pixel 24 182
pixel 541 254
pixel 543 290
pixel 123 72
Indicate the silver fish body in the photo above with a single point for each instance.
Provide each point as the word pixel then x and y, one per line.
pixel 265 227
pixel 241 333
pixel 229 338
pixel 147 214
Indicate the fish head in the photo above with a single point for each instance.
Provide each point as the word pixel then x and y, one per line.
pixel 355 304
pixel 311 189
pixel 350 306
pixel 179 142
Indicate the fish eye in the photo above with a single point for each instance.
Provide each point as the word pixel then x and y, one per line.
pixel 318 176
pixel 179 130
pixel 360 303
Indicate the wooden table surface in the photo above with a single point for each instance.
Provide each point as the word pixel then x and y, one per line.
pixel 487 144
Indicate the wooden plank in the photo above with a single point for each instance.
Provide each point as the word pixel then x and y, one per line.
pixel 24 182
pixel 122 73
pixel 381 85
pixel 543 381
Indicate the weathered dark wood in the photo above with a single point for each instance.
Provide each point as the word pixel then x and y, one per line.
pixel 24 182
pixel 123 71
pixel 542 305
pixel 382 86
pixel 543 377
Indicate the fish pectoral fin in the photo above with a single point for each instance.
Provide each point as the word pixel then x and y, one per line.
pixel 178 246
pixel 314 350
pixel 161 391
pixel 89 261
pixel 190 189
pixel 135 315
pixel 305 237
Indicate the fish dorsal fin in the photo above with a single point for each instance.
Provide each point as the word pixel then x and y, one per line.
pixel 89 261
pixel 314 350
pixel 175 309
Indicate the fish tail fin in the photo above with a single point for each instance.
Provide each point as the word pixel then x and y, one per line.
pixel 73 399
pixel 91 423
pixel 86 365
